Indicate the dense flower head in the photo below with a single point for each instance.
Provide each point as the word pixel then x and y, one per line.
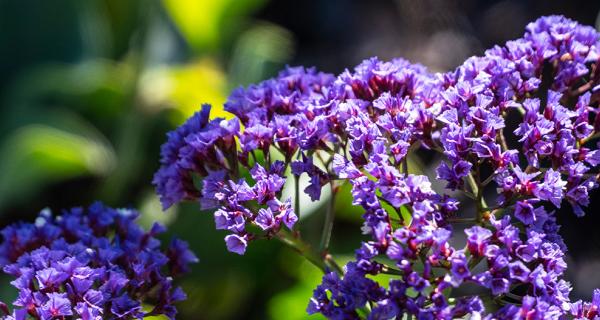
pixel 277 112
pixel 93 263
pixel 521 120
pixel 236 202
pixel 197 146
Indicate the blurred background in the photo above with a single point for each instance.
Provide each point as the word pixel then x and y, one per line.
pixel 88 90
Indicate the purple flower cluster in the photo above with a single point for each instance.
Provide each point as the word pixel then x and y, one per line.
pixel 198 146
pixel 275 116
pixel 530 263
pixel 474 101
pixel 235 198
pixel 93 263
pixel 360 127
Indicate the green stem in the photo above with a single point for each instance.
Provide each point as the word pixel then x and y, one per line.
pixel 474 261
pixel 462 220
pixel 469 194
pixel 297 196
pixel 333 264
pixel 267 155
pixel 488 180
pixel 253 154
pixel 513 296
pixel 473 184
pixel 391 271
pixel 303 249
pixel 477 190
pixel 329 217
pixel 324 262
pixel 591 137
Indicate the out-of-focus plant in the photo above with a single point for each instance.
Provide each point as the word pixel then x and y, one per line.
pixel 123 96
pixel 179 88
pixel 40 153
pixel 131 70
pixel 206 24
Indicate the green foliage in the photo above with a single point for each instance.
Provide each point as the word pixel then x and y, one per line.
pixel 37 154
pixel 291 304
pixel 204 23
pixel 259 52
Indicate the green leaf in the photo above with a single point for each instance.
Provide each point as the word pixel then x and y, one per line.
pixel 151 211
pixel 38 154
pixel 406 215
pixel 343 205
pixel 259 52
pixel 204 23
pixel 291 303
pixel 99 87
pixel 184 88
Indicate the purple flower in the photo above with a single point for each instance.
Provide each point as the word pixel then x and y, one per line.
pixel 236 243
pixel 460 268
pixel 180 256
pixel 284 212
pixel 80 262
pixel 50 278
pixel 499 285
pixel 124 306
pixel 525 212
pixel 344 169
pixel 197 145
pixel 318 178
pixel 57 306
pixel 265 219
pixel 519 271
pixel 88 313
pixel 454 175
pixel 552 188
pixel 267 184
pixel 477 239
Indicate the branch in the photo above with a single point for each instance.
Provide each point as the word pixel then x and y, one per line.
pixel 329 217
pixel 325 263
pixel 297 196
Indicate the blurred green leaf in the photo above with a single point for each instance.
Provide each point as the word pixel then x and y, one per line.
pixel 35 155
pixel 151 211
pixel 291 304
pixel 406 215
pixel 7 291
pixel 161 317
pixel 184 88
pixel 259 52
pixel 307 205
pixel 99 87
pixel 203 23
pixel 148 308
pixel 344 208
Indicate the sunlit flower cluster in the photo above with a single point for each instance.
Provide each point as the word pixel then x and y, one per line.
pixel 522 120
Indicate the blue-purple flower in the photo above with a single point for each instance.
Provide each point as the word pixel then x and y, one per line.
pixel 93 263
